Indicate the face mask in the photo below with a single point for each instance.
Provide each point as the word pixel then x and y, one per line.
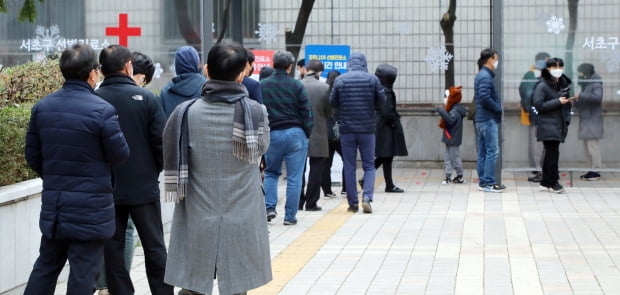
pixel 556 72
pixel 495 64
pixel 537 73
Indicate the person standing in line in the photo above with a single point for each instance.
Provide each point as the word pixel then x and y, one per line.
pixel 73 140
pixel 136 184
pixel 291 122
pixel 488 116
pixel 390 140
pixel 188 82
pixel 552 108
pixel 589 103
pixel 526 87
pixel 301 69
pixel 451 123
pixel 252 85
pixel 355 96
pixel 210 144
pixel 143 71
pixel 318 150
pixel 333 145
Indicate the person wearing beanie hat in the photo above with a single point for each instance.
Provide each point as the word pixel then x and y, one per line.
pixel 390 140
pixel 451 123
pixel 589 104
pixel 526 88
pixel 188 82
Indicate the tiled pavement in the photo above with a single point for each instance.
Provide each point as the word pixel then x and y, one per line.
pixel 450 239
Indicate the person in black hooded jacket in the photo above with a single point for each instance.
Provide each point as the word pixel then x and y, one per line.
pixel 552 115
pixel 390 140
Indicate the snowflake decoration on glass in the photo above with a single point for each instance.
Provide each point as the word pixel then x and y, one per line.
pixel 555 25
pixel 438 58
pixel 158 71
pixel 267 32
pixel 612 61
pixel 47 37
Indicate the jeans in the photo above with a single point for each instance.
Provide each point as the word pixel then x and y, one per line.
pixel 350 143
pixel 130 246
pixel 488 149
pixel 291 146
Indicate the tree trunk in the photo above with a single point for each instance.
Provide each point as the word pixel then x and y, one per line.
pixel 191 36
pixel 447 26
pixel 293 39
pixel 573 7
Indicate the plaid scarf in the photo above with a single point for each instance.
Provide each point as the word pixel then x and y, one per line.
pixel 248 127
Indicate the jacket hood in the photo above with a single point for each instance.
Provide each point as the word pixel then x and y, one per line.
pixel 186 60
pixel 186 84
pixel 387 74
pixel 357 62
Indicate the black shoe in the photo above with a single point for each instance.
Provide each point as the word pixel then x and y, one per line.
pixel 315 208
pixel 557 188
pixel 366 207
pixel 290 222
pixel 458 179
pixel 353 209
pixel 591 176
pixel 535 178
pixel 498 188
pixel 271 214
pixel 394 189
pixel 329 196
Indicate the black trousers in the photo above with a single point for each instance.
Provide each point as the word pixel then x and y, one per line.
pixel 84 262
pixel 326 183
pixel 387 170
pixel 147 219
pixel 550 174
pixel 315 178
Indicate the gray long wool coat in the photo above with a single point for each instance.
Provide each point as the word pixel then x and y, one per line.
pixel 318 95
pixel 221 223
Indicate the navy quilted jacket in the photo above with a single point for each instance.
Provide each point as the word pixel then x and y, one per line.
pixel 355 96
pixel 73 140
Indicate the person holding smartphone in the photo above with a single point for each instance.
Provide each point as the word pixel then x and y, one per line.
pixel 551 104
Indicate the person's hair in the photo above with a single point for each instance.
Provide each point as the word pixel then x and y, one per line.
pixel 250 55
pixel 113 59
pixel 226 61
pixel 315 65
pixel 586 68
pixel 143 64
pixel 542 55
pixel 331 78
pixel 265 72
pixel 78 61
pixel 282 60
pixel 555 62
pixel 485 55
pixel 301 62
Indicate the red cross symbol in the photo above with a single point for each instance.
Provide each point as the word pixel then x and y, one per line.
pixel 123 31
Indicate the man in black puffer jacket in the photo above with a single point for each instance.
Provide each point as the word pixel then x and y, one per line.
pixel 136 186
pixel 73 140
pixel 355 96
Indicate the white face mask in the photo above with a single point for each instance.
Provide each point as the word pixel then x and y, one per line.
pixel 495 64
pixel 556 72
pixel 537 73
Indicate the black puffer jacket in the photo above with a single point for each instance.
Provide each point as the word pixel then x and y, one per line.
pixel 355 96
pixel 552 118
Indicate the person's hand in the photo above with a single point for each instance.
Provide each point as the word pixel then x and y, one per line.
pixel 564 100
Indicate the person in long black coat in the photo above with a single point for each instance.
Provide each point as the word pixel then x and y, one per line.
pixel 552 109
pixel 390 137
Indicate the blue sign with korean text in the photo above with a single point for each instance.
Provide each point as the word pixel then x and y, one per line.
pixel 333 57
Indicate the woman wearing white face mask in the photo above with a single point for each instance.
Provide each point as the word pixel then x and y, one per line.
pixel 552 115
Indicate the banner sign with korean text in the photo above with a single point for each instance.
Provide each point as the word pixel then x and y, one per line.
pixel 333 57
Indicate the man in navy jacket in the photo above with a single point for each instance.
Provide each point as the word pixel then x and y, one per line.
pixel 355 96
pixel 136 186
pixel 73 140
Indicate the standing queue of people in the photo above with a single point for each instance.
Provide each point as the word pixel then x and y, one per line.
pixel 206 133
